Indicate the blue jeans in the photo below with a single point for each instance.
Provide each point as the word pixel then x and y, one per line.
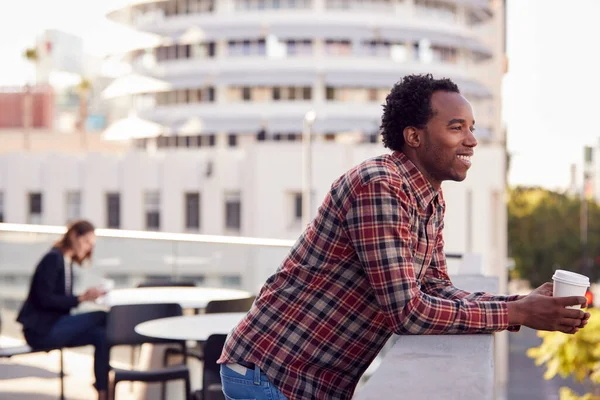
pixel 251 385
pixel 75 331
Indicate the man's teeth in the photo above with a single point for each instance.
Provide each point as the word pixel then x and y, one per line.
pixel 466 158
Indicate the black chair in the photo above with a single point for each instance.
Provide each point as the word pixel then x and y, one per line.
pixel 120 331
pixel 211 377
pixel 229 306
pixel 213 307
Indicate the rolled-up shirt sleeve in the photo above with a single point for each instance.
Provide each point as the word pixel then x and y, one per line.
pixel 378 224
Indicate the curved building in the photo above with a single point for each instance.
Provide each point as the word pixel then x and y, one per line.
pixel 245 70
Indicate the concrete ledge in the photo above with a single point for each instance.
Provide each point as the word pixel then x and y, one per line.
pixel 435 367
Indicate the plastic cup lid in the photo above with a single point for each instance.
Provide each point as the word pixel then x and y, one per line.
pixel 571 278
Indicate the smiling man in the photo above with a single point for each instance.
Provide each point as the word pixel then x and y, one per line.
pixel 372 264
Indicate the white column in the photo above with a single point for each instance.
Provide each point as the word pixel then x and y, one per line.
pixel 224 6
pixel 318 90
pixel 309 120
pixel 319 5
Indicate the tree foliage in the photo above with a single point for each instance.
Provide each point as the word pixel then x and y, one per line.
pixel 576 356
pixel 544 233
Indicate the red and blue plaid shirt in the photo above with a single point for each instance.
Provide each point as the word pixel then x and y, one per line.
pixel 370 264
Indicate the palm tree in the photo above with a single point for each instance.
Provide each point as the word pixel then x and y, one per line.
pixel 31 55
pixel 83 90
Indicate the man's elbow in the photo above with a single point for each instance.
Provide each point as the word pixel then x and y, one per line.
pixel 411 319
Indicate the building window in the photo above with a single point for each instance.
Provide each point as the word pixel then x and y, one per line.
pixel 270 4
pixel 299 47
pixel 1 207
pixel 246 94
pixel 113 210
pixel 306 93
pixel 192 211
pixel 152 209
pixel 233 210
pixel 73 206
pixel 261 136
pixel 335 47
pixel 360 5
pixel 296 207
pixel 185 96
pixel 35 208
pixel 242 48
pixel 232 140
pixel 330 93
pixel 436 9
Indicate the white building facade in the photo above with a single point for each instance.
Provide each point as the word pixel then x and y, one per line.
pixel 253 68
pixel 237 78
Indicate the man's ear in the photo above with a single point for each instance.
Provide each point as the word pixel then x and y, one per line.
pixel 412 136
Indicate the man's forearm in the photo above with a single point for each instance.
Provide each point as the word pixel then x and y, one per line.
pixel 444 289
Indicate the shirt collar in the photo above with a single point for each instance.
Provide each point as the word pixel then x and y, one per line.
pixel 423 190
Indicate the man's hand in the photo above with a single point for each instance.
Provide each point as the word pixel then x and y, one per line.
pixel 545 313
pixel 91 294
pixel 545 290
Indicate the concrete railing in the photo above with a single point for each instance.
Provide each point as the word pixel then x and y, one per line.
pixel 439 366
pixel 435 367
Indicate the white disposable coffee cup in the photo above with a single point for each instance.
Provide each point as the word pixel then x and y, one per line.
pixel 567 283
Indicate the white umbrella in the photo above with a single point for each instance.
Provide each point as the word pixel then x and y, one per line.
pixel 191 126
pixel 192 35
pixel 133 127
pixel 134 83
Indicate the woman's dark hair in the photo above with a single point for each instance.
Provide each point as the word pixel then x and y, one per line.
pixel 76 228
pixel 409 104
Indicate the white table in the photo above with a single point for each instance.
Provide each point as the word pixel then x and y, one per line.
pixel 190 327
pixel 188 297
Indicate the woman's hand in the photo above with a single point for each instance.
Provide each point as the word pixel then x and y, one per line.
pixel 91 294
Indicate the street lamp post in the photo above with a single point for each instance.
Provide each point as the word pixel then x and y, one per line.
pixel 309 120
pixel 588 193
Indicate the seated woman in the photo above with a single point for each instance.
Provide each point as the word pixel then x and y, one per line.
pixel 45 315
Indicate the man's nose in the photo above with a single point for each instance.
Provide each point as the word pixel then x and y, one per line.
pixel 471 140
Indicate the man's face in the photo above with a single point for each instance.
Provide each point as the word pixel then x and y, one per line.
pixel 448 140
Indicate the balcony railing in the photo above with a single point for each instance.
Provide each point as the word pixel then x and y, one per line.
pixel 129 257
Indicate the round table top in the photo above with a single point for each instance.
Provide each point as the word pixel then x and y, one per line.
pixel 188 297
pixel 190 327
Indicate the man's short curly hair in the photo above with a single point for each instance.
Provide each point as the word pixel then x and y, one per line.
pixel 409 104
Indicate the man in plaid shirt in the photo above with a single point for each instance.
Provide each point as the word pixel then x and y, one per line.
pixel 372 264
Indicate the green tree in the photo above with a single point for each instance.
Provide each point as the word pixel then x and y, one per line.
pixel 544 233
pixel 576 356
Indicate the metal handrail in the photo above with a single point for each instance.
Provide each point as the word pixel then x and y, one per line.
pixel 164 236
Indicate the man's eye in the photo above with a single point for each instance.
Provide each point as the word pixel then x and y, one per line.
pixel 457 128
